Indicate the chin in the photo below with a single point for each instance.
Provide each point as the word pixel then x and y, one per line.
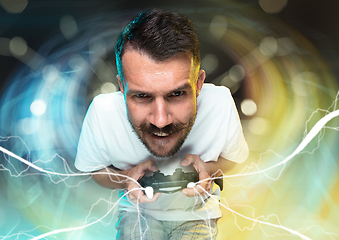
pixel 161 153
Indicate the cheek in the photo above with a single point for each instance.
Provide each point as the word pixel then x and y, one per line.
pixel 185 111
pixel 137 115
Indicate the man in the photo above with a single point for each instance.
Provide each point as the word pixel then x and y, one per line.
pixel 162 119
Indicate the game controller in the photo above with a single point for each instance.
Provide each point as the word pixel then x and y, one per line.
pixel 158 182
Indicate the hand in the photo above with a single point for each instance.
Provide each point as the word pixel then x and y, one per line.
pixel 204 177
pixel 135 193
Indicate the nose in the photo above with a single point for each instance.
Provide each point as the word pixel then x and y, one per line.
pixel 160 115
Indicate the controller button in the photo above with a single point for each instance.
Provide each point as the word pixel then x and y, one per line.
pixel 149 192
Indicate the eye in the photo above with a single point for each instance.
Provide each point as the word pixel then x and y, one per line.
pixel 142 97
pixel 177 94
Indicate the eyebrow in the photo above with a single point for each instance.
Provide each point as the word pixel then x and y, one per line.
pixel 180 88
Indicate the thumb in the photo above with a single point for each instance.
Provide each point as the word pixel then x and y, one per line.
pixel 184 162
pixel 151 166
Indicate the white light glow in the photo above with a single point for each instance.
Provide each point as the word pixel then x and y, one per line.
pixel 27 126
pixel 275 6
pixel 269 46
pixel 209 63
pixel 237 73
pixel 38 107
pixel 259 126
pixel 18 46
pixel 14 6
pixel 68 26
pixel 218 26
pixel 108 87
pixel 248 107
pixel 50 73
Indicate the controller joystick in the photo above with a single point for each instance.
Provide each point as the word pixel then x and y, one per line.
pixel 191 185
pixel 149 192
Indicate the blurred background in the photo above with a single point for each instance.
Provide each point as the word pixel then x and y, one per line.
pixel 279 58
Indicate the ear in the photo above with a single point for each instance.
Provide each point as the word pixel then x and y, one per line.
pixel 120 84
pixel 200 81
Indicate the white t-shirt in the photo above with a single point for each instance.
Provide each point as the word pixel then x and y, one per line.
pixel 107 138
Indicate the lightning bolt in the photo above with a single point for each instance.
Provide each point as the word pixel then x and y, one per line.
pixel 314 131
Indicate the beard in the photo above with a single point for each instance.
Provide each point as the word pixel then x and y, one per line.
pixel 158 147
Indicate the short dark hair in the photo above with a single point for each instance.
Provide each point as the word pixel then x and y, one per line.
pixel 160 34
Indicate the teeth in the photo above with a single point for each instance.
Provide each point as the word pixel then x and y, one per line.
pixel 161 134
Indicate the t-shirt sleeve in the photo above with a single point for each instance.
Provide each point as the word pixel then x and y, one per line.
pixel 91 153
pixel 235 148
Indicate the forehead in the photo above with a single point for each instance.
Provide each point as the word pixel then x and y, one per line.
pixel 141 72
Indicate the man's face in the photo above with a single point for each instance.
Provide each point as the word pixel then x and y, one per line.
pixel 161 99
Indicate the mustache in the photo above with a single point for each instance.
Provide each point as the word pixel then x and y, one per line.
pixel 169 129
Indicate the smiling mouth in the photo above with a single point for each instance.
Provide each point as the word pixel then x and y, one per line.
pixel 161 134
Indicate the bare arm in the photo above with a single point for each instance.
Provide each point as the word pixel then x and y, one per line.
pixel 220 167
pixel 111 177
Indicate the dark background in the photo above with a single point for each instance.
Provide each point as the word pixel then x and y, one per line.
pixel 317 20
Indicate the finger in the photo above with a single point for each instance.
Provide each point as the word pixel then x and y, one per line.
pixel 198 190
pixel 135 194
pixel 189 192
pixel 149 165
pixel 152 167
pixel 202 188
pixel 187 160
pixel 205 181
pixel 153 199
pixel 156 196
pixel 130 196
pixel 193 192
pixel 134 190
pixel 139 171
pixel 144 199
